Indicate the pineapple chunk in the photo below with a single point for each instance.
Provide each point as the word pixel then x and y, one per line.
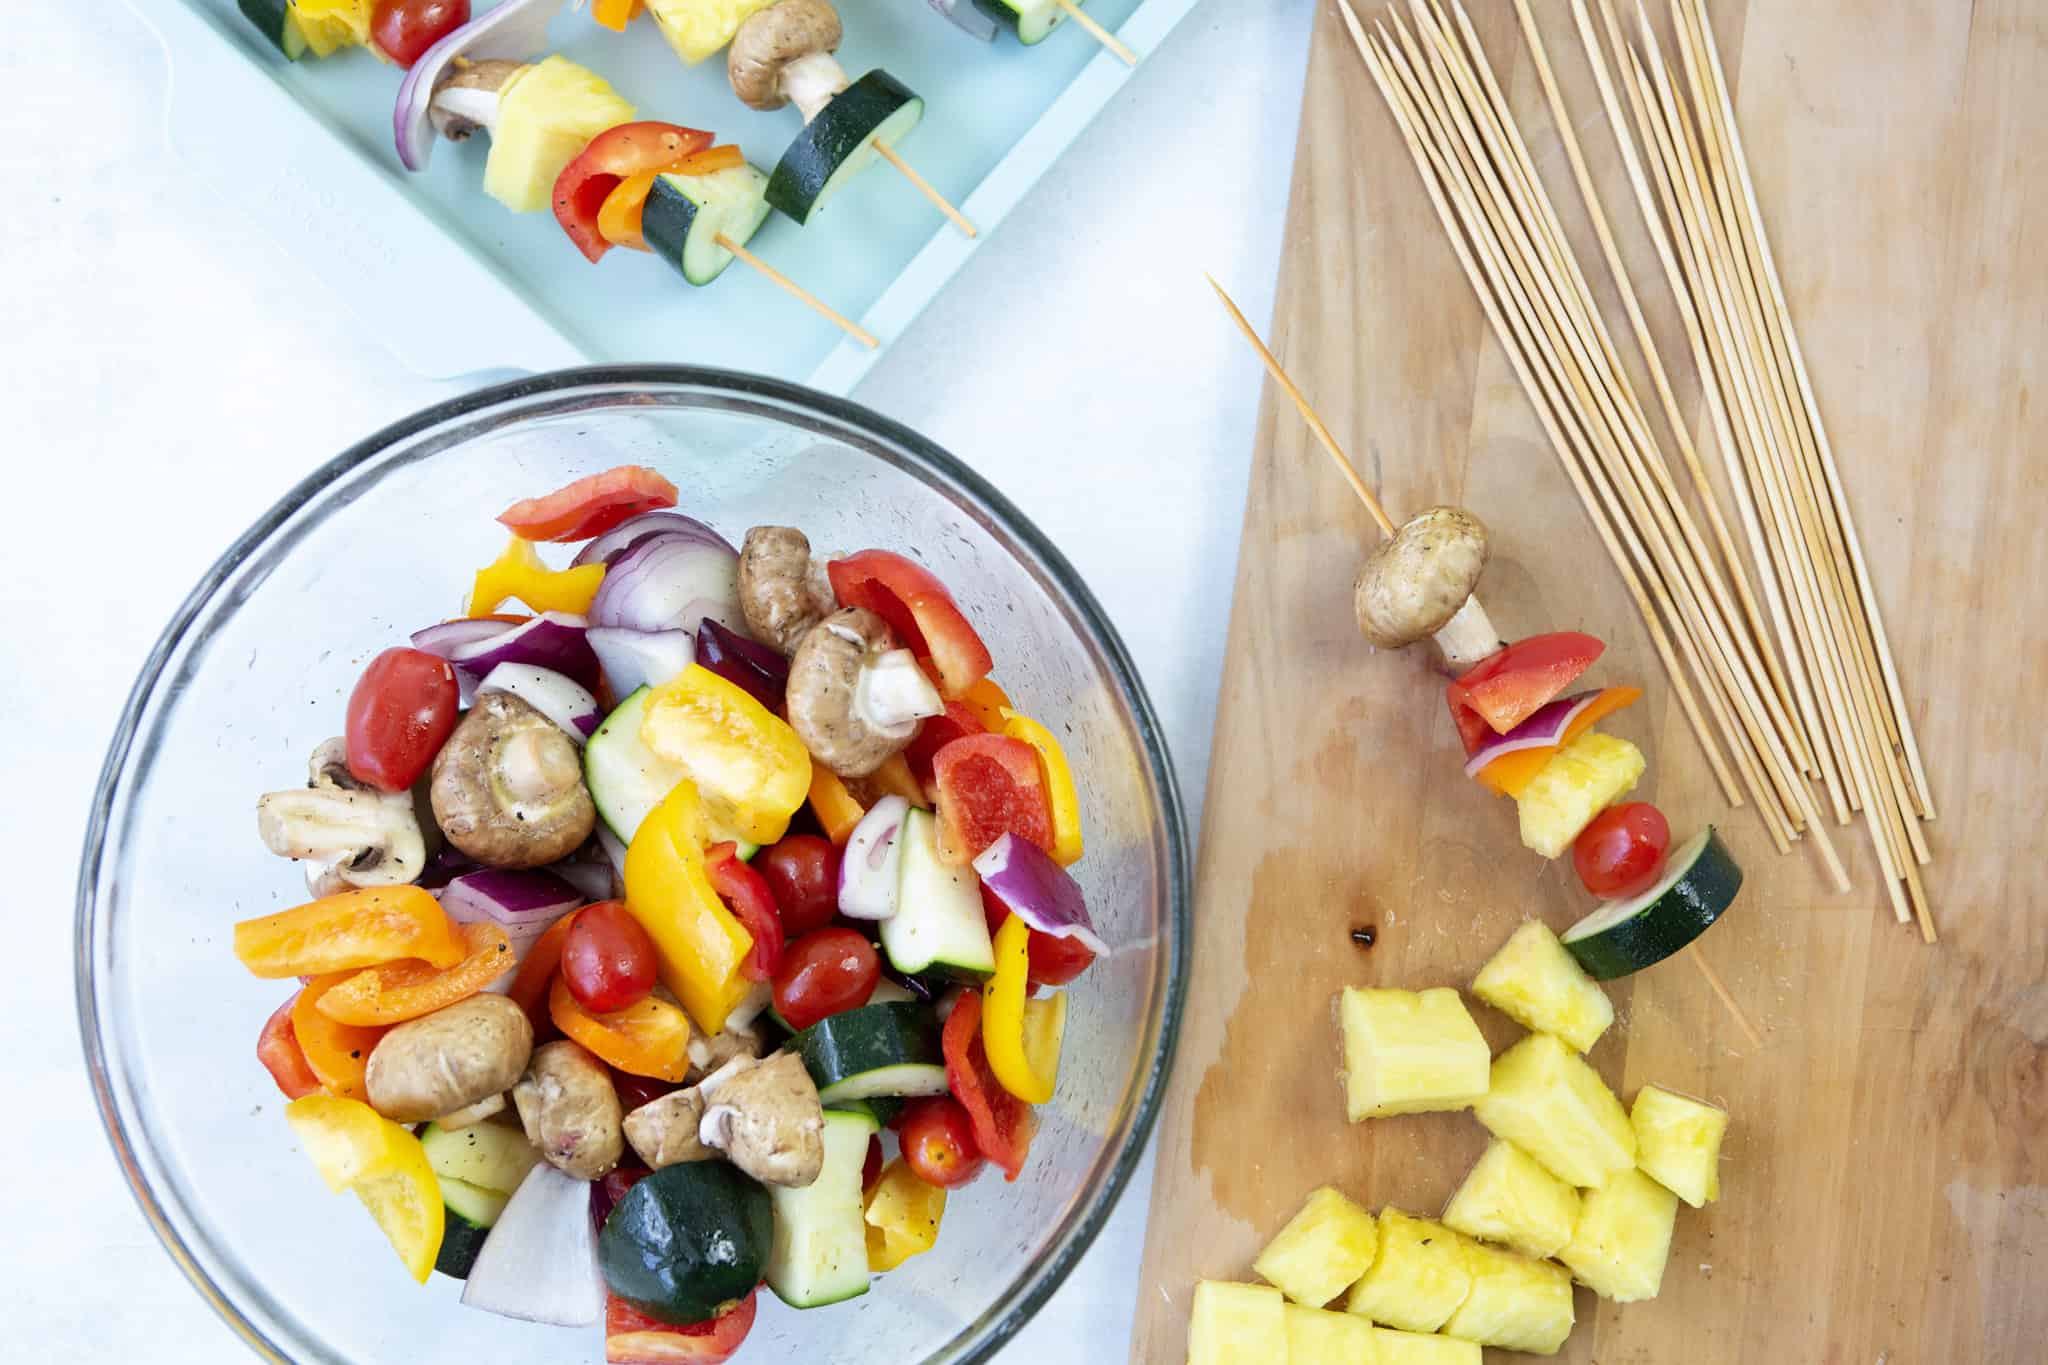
pixel 1407 1052
pixel 1509 1198
pixel 1547 1101
pixel 1678 1143
pixel 1324 1248
pixel 1418 1278
pixel 698 28
pixel 1516 1303
pixel 1623 1238
pixel 547 115
pixel 1414 1348
pixel 1536 983
pixel 1582 779
pixel 1236 1324
pixel 1315 1337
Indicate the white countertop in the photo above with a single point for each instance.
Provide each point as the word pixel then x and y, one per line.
pixel 168 374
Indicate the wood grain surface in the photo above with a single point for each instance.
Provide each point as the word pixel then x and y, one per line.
pixel 1885 1180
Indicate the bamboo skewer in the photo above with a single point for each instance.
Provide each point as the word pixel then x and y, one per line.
pixel 798 292
pixel 925 188
pixel 1097 31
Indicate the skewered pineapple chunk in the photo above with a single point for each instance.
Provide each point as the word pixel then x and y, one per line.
pixel 1236 1324
pixel 1418 1276
pixel 1582 779
pixel 1509 1198
pixel 1536 983
pixel 1323 1248
pixel 1516 1303
pixel 1316 1337
pixel 1678 1143
pixel 1407 1052
pixel 1416 1348
pixel 1623 1238
pixel 1547 1101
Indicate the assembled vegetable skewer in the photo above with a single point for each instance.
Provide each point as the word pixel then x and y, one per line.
pixel 1457 551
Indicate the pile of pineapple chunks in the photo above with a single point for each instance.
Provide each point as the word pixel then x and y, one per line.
pixel 1569 1177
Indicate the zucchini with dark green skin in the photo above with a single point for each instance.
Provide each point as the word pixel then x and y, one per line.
pixel 1625 936
pixel 687 1242
pixel 688 218
pixel 887 1049
pixel 838 143
pixel 1031 20
pixel 820 1254
pixel 274 19
pixel 469 1214
pixel 882 1109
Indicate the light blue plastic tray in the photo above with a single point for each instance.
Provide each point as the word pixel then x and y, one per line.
pixel 455 284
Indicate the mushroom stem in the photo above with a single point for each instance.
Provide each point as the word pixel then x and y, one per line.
pixel 1467 637
pixel 892 694
pixel 812 82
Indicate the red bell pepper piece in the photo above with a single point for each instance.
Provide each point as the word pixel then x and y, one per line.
pixel 590 506
pixel 1509 686
pixel 277 1047
pixel 957 722
pixel 918 607
pixel 747 894
pixel 987 786
pixel 584 183
pixel 1003 1124
pixel 633 1338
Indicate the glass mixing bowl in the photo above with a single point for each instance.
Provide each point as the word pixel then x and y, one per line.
pixel 254 671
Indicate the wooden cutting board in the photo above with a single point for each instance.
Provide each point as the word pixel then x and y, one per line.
pixel 1885 1180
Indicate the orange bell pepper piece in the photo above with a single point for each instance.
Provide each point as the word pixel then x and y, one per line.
pixel 353 929
pixel 338 1053
pixel 1511 774
pixel 530 988
pixel 834 805
pixel 393 992
pixel 988 702
pixel 648 1038
pixel 620 216
pixel 894 778
pixel 615 14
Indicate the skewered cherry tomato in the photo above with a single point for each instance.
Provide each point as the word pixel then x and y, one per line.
pixel 938 1142
pixel 1621 852
pixel 825 972
pixel 400 714
pixel 608 960
pixel 404 29
pixel 803 872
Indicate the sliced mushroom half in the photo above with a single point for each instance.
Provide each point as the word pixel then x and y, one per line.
pixel 350 835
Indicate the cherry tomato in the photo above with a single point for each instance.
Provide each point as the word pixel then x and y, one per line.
pixel 823 973
pixel 404 29
pixel 635 1091
pixel 871 1169
pixel 608 960
pixel 399 716
pixel 938 1142
pixel 803 872
pixel 1621 852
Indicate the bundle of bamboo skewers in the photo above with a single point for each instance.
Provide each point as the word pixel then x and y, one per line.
pixel 1780 663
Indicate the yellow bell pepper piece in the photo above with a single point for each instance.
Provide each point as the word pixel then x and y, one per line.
pixel 833 804
pixel 356 1148
pixel 520 573
pixel 1059 784
pixel 902 1215
pixel 331 25
pixel 699 944
pixel 988 703
pixel 749 767
pixel 1022 1035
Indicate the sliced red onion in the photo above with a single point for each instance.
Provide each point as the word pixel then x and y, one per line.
pixel 1543 730
pixel 562 700
pixel 670 581
pixel 868 868
pixel 445 866
pixel 523 902
pixel 633 659
pixel 623 537
pixel 745 662
pixel 591 872
pixel 1038 891
pixel 552 640
pixel 513 31
pixel 447 637
pixel 540 1262
pixel 614 849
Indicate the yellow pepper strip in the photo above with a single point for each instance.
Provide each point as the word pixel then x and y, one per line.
pixel 988 703
pixel 355 1148
pixel 1022 1035
pixel 749 767
pixel 833 804
pixel 894 778
pixel 699 944
pixel 1059 784
pixel 520 573
pixel 902 1214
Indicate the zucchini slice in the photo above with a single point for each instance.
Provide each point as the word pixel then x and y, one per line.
pixel 1031 20
pixel 465 1226
pixel 627 780
pixel 686 214
pixel 274 19
pixel 1628 935
pixel 939 922
pixel 839 143
pixel 491 1158
pixel 889 1049
pixel 820 1253
pixel 883 1109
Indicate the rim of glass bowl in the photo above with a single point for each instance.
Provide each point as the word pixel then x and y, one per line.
pixel 548 395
